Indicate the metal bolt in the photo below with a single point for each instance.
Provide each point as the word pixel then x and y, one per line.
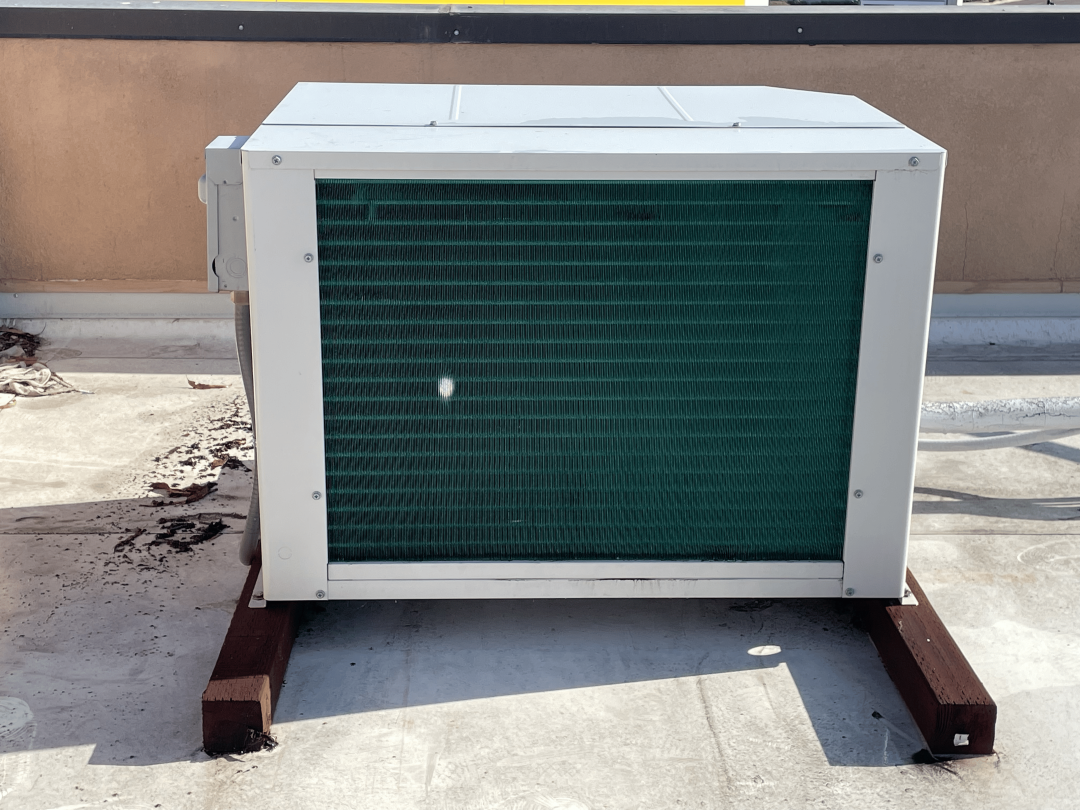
pixel 309 258
pixel 849 591
pixel 276 160
pixel 913 162
pixel 320 594
pixel 241 28
pixel 858 493
pixel 800 30
pixel 878 258
pixel 316 495
pixel 907 592
pixel 455 32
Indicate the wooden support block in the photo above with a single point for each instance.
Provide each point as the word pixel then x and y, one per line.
pixel 944 695
pixel 238 703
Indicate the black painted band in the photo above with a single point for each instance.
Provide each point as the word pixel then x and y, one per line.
pixel 264 22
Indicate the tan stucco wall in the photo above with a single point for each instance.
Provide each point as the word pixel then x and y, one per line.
pixel 101 140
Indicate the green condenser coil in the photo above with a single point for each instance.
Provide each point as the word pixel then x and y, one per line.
pixel 589 370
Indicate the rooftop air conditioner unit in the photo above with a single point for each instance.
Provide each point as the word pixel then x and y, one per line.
pixel 581 341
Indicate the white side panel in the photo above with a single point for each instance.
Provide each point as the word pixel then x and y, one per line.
pixel 586 589
pixel 288 379
pixel 598 569
pixel 892 358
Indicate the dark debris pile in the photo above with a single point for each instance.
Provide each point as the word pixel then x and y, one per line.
pixel 27 343
pixel 178 534
pixel 193 533
pixel 205 454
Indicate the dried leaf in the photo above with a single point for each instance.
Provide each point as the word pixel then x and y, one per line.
pixel 128 541
pixel 204 386
pixel 199 491
pixel 190 493
pixel 229 462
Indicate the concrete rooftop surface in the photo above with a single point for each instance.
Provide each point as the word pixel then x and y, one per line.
pixel 110 634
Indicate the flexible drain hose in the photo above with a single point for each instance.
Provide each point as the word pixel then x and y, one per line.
pixel 1043 419
pixel 994 442
pixel 249 545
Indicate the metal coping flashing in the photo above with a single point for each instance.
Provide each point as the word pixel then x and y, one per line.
pixel 610 25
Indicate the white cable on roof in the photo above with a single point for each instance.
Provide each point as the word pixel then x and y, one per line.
pixel 993 442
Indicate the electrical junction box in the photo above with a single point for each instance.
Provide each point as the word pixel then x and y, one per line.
pixel 544 341
pixel 221 190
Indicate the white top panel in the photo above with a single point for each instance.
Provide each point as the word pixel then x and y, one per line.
pixel 375 151
pixel 571 106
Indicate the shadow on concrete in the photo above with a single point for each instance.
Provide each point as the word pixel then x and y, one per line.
pixel 967 503
pixel 361 657
pixel 1055 449
pixel 110 633
pixel 1001 361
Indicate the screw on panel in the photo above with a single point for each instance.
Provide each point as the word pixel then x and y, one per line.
pixel 241 27
pixel 849 592
pixel 320 594
pixel 858 493
pixel 455 32
pixel 309 257
pixel 878 258
pixel 913 162
pixel 276 160
pixel 316 495
pixel 907 592
pixel 800 31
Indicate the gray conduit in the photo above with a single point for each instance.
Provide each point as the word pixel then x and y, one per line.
pixel 249 545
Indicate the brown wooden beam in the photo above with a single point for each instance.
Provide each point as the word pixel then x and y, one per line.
pixel 238 703
pixel 944 695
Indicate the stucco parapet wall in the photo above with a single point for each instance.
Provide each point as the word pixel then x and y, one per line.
pixel 102 139
pixel 372 22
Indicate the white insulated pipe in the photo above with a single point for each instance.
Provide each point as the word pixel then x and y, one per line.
pixel 1058 413
pixel 1039 420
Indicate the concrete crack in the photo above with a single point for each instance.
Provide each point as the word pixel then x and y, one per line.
pixel 404 714
pixel 1057 245
pixel 967 229
pixel 711 721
